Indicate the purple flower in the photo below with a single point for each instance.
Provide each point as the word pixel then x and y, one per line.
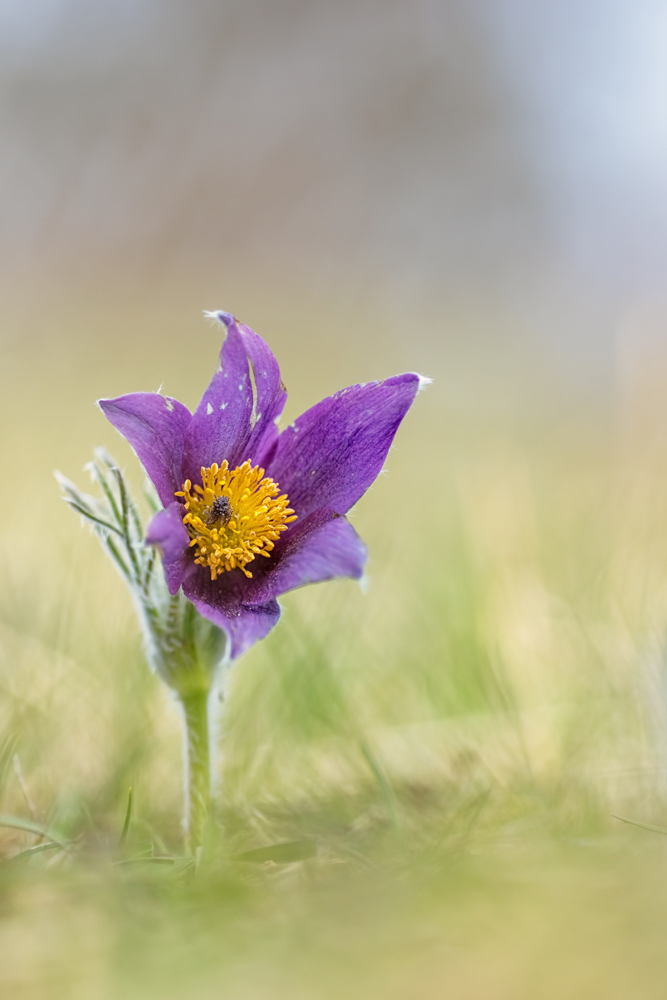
pixel 250 512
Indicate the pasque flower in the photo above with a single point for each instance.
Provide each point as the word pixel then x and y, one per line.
pixel 249 512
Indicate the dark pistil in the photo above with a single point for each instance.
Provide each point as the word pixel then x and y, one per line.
pixel 220 511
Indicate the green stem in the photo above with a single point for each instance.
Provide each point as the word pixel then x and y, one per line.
pixel 197 765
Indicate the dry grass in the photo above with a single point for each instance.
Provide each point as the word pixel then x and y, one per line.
pixel 455 739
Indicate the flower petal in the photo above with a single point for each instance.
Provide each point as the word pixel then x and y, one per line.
pixel 168 533
pixel 155 426
pixel 320 551
pixel 333 452
pixel 270 394
pixel 244 624
pixel 234 415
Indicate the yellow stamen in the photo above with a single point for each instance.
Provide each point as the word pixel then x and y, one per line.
pixel 234 516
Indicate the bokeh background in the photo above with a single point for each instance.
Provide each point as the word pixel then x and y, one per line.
pixel 473 189
pixel 489 176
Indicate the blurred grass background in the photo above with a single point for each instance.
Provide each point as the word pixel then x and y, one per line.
pixel 369 186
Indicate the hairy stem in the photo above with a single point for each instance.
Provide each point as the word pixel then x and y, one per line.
pixel 197 765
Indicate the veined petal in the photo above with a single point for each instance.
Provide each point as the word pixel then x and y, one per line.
pixel 234 415
pixel 270 394
pixel 168 533
pixel 326 548
pixel 156 427
pixel 332 453
pixel 244 624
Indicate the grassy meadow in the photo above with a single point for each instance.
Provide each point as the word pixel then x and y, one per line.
pixel 449 745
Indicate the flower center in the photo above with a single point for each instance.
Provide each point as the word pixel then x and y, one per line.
pixel 235 515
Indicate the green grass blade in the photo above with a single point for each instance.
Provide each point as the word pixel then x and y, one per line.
pixel 281 854
pixel 155 860
pixel 384 785
pixel 19 823
pixel 50 845
pixel 128 817
pixel 642 826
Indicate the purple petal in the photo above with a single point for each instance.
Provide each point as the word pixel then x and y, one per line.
pixel 168 533
pixel 331 550
pixel 221 602
pixel 322 549
pixel 270 396
pixel 221 422
pixel 333 452
pixel 155 426
pixel 233 418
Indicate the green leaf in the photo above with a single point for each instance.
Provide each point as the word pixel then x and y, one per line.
pixel 117 558
pixel 99 475
pixel 91 517
pixel 129 514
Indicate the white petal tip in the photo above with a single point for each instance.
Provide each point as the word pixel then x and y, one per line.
pixel 423 382
pixel 218 314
